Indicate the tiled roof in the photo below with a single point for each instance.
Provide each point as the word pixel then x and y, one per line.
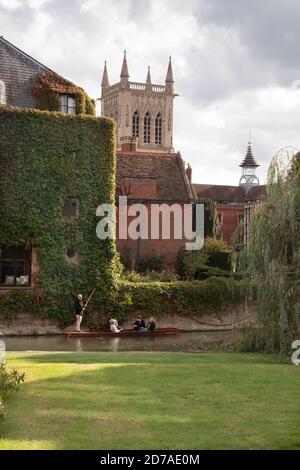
pixel 151 176
pixel 229 193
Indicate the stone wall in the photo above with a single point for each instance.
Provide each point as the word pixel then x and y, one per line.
pixel 226 319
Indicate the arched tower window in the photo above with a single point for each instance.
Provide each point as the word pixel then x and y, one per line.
pixel 147 128
pixel 158 129
pixel 135 124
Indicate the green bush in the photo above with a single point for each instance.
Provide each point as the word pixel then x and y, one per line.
pixel 152 276
pixel 19 302
pixel 219 259
pixel 9 382
pixel 214 254
pixel 183 298
pixel 249 337
pixel 152 262
pixel 2 409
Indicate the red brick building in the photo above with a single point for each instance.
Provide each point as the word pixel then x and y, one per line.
pixel 152 178
pixel 232 201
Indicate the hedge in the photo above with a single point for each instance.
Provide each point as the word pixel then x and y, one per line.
pixel 182 298
pixel 46 158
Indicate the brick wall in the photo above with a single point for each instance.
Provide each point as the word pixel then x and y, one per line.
pixel 18 72
pixel 139 249
pixel 230 214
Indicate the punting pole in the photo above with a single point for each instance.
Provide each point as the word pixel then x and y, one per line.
pixel 86 304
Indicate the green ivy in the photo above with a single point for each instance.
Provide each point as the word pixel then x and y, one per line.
pixel 183 298
pixel 46 158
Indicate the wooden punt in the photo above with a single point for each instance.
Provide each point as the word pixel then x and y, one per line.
pixel 124 333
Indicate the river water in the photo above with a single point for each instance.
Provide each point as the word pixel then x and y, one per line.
pixel 192 341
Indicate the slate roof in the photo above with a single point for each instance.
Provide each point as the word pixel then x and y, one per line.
pixel 22 74
pixel 162 175
pixel 225 194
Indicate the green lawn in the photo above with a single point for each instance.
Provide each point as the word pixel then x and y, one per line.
pixel 153 401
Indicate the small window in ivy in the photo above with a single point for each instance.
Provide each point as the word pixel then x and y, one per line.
pixel 71 208
pixel 67 104
pixel 71 253
pixel 15 266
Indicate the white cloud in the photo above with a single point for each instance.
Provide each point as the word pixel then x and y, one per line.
pixel 10 4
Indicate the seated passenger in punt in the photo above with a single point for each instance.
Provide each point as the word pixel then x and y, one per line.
pixel 113 325
pixel 139 324
pixel 151 324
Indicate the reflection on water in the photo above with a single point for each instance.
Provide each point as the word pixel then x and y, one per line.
pixel 180 342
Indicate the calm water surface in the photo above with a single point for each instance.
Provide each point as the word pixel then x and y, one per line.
pixel 180 342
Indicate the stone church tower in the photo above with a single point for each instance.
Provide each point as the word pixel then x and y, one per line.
pixel 143 111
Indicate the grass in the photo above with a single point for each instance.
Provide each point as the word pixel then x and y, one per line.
pixel 153 401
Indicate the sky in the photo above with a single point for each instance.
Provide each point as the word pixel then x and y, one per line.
pixel 236 66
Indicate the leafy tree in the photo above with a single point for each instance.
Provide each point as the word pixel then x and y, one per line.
pixel 9 382
pixel 210 217
pixel 273 256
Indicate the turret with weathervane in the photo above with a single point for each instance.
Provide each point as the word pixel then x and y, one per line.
pixel 249 165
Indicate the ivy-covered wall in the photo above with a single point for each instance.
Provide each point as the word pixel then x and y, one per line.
pixel 182 298
pixel 46 158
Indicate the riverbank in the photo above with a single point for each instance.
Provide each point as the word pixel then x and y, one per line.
pixel 225 318
pixel 133 401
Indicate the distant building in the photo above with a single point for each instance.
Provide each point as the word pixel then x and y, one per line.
pixel 148 169
pixel 235 203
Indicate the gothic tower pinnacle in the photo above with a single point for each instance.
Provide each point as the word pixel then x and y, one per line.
pixel 105 81
pixel 124 72
pixel 169 77
pixel 148 80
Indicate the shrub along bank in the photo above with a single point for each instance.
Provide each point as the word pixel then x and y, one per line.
pixel 182 298
pixel 152 298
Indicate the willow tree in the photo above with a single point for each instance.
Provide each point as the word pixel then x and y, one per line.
pixel 273 254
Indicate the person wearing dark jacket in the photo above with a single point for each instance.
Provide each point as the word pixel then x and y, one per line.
pixel 151 324
pixel 138 324
pixel 78 308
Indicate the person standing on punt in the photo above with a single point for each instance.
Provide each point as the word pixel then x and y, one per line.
pixel 78 307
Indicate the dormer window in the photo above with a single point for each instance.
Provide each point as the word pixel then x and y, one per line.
pixel 67 104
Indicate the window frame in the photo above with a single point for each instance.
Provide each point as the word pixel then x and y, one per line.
pixel 147 128
pixel 136 124
pixel 26 259
pixel 70 209
pixel 158 129
pixel 69 107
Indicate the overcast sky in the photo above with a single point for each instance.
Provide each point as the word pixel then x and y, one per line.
pixel 236 66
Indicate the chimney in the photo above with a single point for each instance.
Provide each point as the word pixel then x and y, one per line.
pixel 128 144
pixel 189 172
